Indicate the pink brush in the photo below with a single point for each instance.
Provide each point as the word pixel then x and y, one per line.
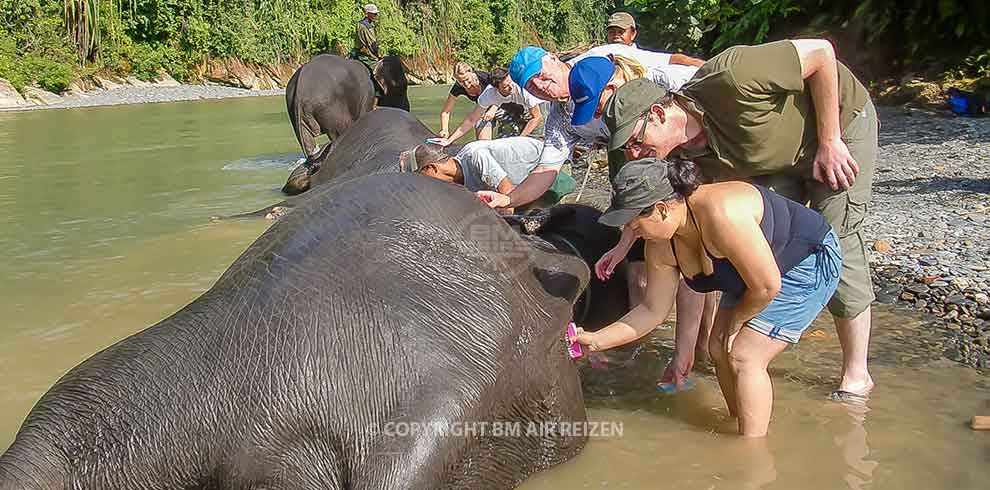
pixel 573 348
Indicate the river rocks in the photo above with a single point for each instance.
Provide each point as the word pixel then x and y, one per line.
pixel 39 96
pixel 9 96
pixel 912 91
pixel 931 205
pixel 882 246
pixel 236 73
pixel 106 83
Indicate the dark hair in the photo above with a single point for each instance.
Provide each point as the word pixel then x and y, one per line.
pixel 430 154
pixel 684 176
pixel 499 75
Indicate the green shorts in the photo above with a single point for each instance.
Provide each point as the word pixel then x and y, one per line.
pixel 563 185
pixel 844 210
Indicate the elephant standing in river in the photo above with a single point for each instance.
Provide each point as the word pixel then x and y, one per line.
pixel 325 96
pixel 378 302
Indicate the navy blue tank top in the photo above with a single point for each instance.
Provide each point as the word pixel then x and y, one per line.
pixel 793 231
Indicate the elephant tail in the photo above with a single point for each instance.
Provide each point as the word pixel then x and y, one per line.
pixel 298 118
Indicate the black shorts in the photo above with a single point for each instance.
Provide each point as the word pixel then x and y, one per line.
pixel 638 251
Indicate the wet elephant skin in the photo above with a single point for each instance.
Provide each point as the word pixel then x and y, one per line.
pixel 371 145
pixel 349 313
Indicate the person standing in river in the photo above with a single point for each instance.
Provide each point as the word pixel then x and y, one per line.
pixel 776 262
pixel 789 115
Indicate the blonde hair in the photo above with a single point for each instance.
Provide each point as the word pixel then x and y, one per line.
pixel 462 70
pixel 628 67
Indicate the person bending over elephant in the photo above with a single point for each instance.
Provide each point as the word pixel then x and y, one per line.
pixel 776 262
pixel 570 124
pixel 496 165
pixel 502 92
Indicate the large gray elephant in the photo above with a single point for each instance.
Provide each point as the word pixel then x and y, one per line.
pixel 371 145
pixel 350 315
pixel 325 96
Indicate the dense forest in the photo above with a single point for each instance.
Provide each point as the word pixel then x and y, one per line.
pixel 51 42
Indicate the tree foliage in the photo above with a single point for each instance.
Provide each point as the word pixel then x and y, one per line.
pixel 44 40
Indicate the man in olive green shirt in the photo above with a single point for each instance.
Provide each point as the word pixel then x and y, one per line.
pixel 366 42
pixel 787 115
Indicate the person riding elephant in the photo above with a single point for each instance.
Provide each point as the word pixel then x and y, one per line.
pixel 366 48
pixel 340 350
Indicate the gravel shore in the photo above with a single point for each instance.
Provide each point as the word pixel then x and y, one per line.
pixel 148 95
pixel 929 225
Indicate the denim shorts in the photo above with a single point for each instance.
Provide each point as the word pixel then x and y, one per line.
pixel 804 292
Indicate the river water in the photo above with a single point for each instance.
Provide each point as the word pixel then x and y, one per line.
pixel 105 231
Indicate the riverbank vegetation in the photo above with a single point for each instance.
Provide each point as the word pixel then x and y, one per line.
pixel 51 42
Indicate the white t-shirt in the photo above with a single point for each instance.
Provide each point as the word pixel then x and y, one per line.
pixel 491 96
pixel 561 137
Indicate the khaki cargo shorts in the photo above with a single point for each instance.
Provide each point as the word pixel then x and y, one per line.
pixel 844 210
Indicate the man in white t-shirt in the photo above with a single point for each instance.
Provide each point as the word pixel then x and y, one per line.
pixel 501 91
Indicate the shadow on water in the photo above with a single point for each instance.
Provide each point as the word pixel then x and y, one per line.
pixel 913 433
pixel 931 185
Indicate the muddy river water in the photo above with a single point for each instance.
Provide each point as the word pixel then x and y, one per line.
pixel 104 230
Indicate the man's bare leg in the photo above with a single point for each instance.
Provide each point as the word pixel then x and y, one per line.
pixel 854 337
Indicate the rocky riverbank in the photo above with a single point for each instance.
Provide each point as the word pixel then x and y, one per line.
pixel 929 225
pixel 219 83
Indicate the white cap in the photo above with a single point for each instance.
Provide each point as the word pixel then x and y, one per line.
pixel 371 8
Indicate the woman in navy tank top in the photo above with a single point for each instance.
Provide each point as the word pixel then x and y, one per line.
pixel 775 261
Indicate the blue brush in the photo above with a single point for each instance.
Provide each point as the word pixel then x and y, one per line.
pixel 671 388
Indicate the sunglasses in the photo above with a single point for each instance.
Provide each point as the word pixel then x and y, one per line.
pixel 638 139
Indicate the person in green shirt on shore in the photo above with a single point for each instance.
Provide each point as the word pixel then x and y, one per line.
pixel 366 43
pixel 789 116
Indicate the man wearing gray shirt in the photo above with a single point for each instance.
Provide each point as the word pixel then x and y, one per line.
pixel 484 165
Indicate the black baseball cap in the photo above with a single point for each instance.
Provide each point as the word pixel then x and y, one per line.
pixel 637 186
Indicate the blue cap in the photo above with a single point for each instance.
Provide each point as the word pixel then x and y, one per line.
pixel 527 62
pixel 587 80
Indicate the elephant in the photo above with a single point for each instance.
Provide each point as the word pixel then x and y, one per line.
pixel 325 96
pixel 390 75
pixel 574 229
pixel 371 145
pixel 329 93
pixel 347 316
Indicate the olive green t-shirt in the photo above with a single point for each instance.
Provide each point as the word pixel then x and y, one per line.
pixel 366 40
pixel 757 110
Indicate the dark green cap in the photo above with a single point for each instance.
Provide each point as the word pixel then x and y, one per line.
pixel 638 185
pixel 626 106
